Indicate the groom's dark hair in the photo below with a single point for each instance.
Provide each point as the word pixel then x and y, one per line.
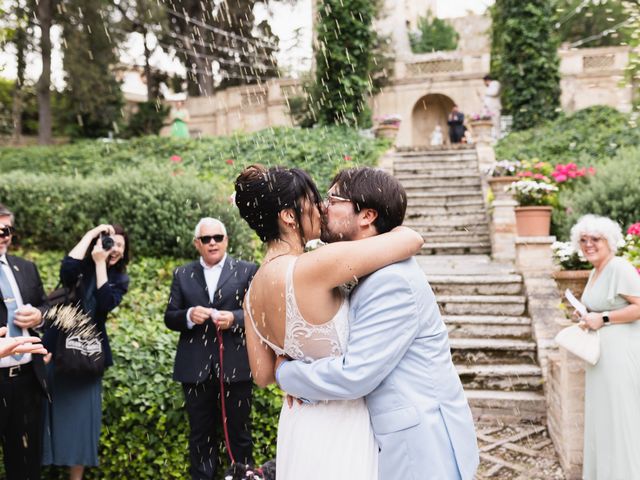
pixel 373 188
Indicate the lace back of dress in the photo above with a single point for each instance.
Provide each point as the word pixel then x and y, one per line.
pixel 304 341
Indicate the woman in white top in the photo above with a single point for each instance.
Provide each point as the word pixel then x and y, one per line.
pixel 296 307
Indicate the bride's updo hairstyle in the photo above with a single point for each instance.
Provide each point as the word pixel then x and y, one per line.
pixel 261 194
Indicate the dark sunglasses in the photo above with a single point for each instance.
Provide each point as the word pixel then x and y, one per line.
pixel 206 239
pixel 6 231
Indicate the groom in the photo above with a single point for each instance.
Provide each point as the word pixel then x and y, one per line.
pixel 398 353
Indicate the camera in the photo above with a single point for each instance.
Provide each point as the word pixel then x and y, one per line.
pixel 107 241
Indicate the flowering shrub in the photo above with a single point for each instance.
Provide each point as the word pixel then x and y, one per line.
pixel 631 249
pixel 570 171
pixel 535 170
pixel 392 119
pixel 567 258
pixel 505 168
pixel 530 193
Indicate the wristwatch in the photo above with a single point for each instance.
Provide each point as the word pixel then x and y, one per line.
pixel 605 318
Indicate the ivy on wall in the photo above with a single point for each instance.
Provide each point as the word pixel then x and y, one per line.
pixel 524 58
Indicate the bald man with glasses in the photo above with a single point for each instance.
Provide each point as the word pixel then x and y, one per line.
pixel 206 304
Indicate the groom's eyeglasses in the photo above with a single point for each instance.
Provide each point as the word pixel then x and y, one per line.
pixel 332 199
pixel 206 239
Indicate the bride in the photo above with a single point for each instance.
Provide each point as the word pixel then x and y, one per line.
pixel 297 307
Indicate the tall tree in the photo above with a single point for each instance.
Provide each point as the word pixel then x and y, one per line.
pixel 94 95
pixel 588 23
pixel 344 61
pixel 45 10
pixel 524 57
pixel 21 39
pixel 220 44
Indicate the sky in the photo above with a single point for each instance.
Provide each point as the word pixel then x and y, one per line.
pixel 291 23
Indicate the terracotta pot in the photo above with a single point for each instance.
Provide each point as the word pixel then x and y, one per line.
pixel 386 131
pixel 574 280
pixel 533 221
pixel 498 186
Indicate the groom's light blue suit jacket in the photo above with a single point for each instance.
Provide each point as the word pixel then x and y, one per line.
pixel 398 357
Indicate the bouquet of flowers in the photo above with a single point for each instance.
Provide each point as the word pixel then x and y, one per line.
pixel 567 258
pixel 392 119
pixel 531 193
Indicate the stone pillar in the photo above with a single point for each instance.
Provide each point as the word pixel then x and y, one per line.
pixel 533 255
pixel 486 154
pixel 503 230
pixel 565 406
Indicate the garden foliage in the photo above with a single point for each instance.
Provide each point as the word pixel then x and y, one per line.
pixel 433 35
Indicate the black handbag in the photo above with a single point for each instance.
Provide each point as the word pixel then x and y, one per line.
pixel 78 352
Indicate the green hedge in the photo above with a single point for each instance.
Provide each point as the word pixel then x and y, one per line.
pixel 589 137
pixel 321 151
pixel 145 427
pixel 158 209
pixel 613 192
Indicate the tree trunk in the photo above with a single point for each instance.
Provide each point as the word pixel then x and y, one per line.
pixel 21 47
pixel 147 69
pixel 45 18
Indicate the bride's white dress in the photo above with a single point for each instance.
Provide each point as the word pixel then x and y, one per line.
pixel 329 440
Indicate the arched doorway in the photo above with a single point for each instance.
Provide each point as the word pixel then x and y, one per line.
pixel 431 110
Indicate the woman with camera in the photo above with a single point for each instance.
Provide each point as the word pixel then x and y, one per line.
pixel 95 270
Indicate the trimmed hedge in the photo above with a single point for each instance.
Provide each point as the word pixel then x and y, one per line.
pixel 158 209
pixel 320 151
pixel 145 427
pixel 588 137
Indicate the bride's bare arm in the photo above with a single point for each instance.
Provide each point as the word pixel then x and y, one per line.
pixel 261 357
pixel 340 262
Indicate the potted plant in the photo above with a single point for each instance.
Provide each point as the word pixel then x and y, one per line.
pixel 500 176
pixel 481 124
pixel 535 200
pixel 573 270
pixel 387 126
pixel 631 248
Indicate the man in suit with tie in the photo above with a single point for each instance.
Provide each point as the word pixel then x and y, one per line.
pixel 22 385
pixel 207 295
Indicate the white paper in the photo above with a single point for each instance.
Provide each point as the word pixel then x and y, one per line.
pixel 582 310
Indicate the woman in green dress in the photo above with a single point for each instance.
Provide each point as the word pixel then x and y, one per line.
pixel 180 118
pixel 612 386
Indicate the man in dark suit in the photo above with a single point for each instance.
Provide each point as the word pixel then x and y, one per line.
pixel 456 125
pixel 207 295
pixel 22 381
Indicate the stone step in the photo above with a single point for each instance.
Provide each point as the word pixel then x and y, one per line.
pixel 507 407
pixel 515 332
pixel 457 208
pixel 471 229
pixel 486 320
pixel 429 175
pixel 476 284
pixel 509 305
pixel 492 351
pixel 435 153
pixel 461 248
pixel 419 205
pixel 456 237
pixel 464 193
pixel 462 218
pixel 453 220
pixel 428 164
pixel 442 189
pixel 451 183
pixel 506 378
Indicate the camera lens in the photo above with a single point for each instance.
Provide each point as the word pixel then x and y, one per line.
pixel 107 242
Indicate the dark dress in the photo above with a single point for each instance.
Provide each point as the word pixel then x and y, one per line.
pixel 73 418
pixel 456 127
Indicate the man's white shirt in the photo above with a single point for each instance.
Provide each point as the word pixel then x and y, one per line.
pixel 211 277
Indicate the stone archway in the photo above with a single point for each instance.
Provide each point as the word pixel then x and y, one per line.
pixel 429 111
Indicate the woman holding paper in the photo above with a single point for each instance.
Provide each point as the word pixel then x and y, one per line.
pixel 612 386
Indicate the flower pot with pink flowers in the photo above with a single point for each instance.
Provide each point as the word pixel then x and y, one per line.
pixel 387 126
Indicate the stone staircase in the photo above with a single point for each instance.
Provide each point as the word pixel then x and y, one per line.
pixel 484 308
pixel 445 200
pixel 482 301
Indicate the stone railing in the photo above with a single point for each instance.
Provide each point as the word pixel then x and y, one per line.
pixel 443 63
pixel 588 61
